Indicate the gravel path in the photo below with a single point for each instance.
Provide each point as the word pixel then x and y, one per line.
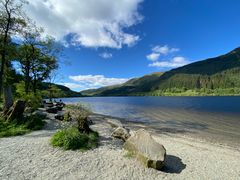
pixel 31 157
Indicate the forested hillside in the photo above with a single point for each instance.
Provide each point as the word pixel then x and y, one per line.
pixel 214 76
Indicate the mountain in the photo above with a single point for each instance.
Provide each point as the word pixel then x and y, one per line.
pixel 214 76
pixel 132 86
pixel 58 91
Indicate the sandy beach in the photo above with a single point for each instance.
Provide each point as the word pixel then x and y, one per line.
pixel 32 157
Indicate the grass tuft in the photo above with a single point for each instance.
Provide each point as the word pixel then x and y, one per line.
pixel 129 154
pixel 71 139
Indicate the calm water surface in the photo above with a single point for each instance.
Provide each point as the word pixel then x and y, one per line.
pixel 216 119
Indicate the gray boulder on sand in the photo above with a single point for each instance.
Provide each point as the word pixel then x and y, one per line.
pixel 146 149
pixel 121 133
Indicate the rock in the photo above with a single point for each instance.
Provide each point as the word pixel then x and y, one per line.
pixel 146 149
pixel 121 133
pixel 59 108
pixel 90 122
pixel 114 122
pixel 52 110
pixel 59 117
pixel 60 104
pixel 16 111
pixel 48 104
pixel 40 113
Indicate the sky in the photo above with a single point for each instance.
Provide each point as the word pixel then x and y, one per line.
pixel 107 42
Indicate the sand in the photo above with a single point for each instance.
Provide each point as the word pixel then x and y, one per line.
pixel 32 157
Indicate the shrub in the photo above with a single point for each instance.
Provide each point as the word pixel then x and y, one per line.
pixel 67 116
pixel 33 101
pixel 71 138
pixel 35 122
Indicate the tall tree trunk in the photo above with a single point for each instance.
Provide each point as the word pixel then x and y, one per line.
pixel 4 50
pixel 8 98
pixel 3 63
pixel 1 75
pixel 35 86
pixel 27 81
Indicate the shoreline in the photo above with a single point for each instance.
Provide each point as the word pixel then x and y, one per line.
pixel 32 157
pixel 133 126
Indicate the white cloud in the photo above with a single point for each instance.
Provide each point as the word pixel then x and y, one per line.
pixel 157 51
pixel 153 56
pixel 94 81
pixel 92 23
pixel 165 50
pixel 71 85
pixel 106 55
pixel 173 63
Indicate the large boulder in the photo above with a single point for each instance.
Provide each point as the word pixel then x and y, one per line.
pixel 146 149
pixel 121 133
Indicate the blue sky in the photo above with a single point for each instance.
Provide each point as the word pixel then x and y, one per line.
pixel 107 42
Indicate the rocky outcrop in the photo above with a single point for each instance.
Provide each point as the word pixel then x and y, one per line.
pixel 121 133
pixel 146 149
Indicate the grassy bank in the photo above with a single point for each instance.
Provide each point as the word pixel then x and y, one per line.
pixel 21 126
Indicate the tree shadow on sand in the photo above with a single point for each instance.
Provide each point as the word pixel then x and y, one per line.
pixel 173 165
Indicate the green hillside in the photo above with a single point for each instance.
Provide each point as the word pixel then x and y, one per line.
pixel 132 86
pixel 214 76
pixel 58 91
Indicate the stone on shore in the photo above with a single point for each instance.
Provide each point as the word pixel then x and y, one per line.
pixel 52 110
pixel 146 149
pixel 121 133
pixel 40 112
pixel 114 122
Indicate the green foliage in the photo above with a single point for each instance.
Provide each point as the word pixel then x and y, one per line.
pixel 32 100
pixel 71 138
pixel 129 154
pixel 21 126
pixel 12 129
pixel 56 91
pixel 34 122
pixel 67 116
pixel 1 106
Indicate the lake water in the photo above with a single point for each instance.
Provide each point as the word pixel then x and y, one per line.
pixel 215 119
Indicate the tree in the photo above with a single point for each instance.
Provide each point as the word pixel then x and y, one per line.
pixel 38 58
pixel 12 21
pixel 28 52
